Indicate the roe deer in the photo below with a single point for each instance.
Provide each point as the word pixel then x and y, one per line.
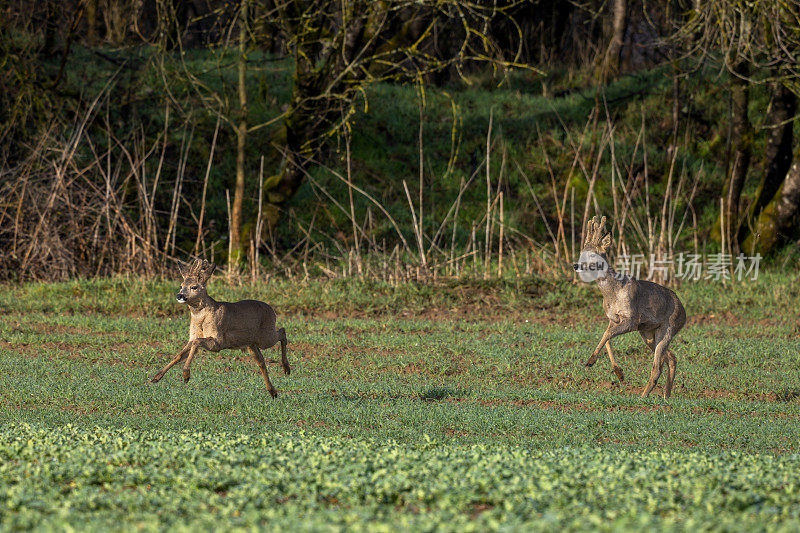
pixel 247 325
pixel 631 305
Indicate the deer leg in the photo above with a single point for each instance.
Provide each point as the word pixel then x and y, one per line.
pixel 659 357
pixel 655 373
pixel 617 370
pixel 672 362
pixel 614 329
pixel 284 359
pixel 259 359
pixel 188 362
pixel 208 343
pixel 178 358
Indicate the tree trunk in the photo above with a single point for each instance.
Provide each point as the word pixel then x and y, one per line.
pixel 51 25
pixel 116 22
pixel 777 154
pixel 236 244
pixel 611 59
pixel 299 138
pixel 778 220
pixel 91 22
pixel 321 98
pixel 742 150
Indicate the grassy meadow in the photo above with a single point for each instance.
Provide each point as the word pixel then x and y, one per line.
pixel 455 405
pixel 423 396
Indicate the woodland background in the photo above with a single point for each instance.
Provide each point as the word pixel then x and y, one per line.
pixel 392 139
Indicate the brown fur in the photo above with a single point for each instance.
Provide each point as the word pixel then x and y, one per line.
pixel 635 305
pixel 248 325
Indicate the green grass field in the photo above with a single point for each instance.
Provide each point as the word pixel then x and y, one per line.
pixel 455 406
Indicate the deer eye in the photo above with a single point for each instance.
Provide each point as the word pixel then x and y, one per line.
pixel 193 287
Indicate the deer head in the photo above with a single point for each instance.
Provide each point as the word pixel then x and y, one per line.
pixel 593 260
pixel 195 279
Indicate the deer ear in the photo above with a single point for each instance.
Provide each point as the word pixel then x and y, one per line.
pixel 206 270
pixel 184 270
pixel 589 231
pixel 605 244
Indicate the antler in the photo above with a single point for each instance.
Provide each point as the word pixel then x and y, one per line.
pixel 597 236
pixel 200 270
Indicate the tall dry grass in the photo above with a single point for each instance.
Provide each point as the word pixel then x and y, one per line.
pixel 644 224
pixel 74 209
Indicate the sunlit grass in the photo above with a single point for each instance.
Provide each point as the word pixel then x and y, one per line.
pixel 372 364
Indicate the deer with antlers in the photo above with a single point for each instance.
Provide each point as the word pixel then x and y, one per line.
pixel 631 305
pixel 247 325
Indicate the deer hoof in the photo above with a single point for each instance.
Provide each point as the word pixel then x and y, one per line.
pixel 619 374
pixel 155 379
pixel 273 393
pixel 185 376
pixel 287 370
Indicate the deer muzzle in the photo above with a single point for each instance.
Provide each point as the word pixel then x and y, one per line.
pixel 180 297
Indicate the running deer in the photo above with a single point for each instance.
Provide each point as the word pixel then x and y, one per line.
pixel 631 305
pixel 246 325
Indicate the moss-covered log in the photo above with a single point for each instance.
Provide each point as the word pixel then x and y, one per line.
pixel 778 220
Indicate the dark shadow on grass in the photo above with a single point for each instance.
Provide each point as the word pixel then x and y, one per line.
pixel 435 394
pixel 787 395
pixel 432 394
